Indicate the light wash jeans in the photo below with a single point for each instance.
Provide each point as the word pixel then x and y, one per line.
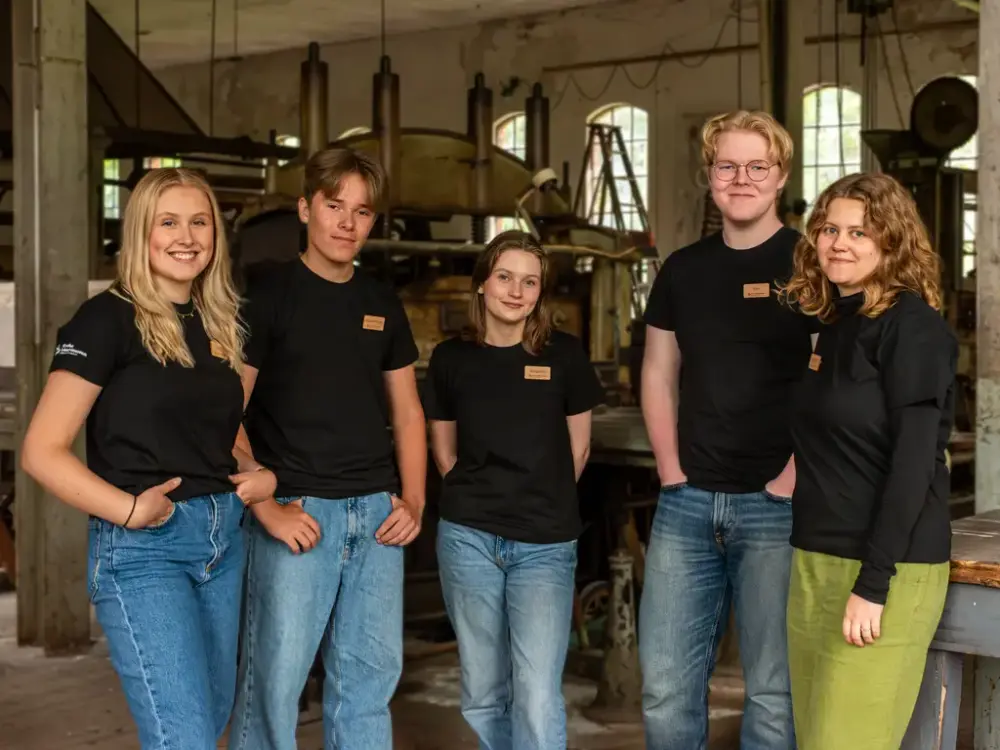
pixel 168 600
pixel 344 598
pixel 705 549
pixel 511 605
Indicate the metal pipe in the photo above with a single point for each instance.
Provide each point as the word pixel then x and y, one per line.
pixel 480 129
pixel 385 125
pixel 313 103
pixel 536 139
pixel 920 28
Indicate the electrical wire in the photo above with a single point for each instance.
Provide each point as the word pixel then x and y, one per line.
pixel 902 51
pixel 840 89
pixel 888 72
pixel 667 48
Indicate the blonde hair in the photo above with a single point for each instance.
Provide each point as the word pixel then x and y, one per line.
pixel 907 262
pixel 779 142
pixel 538 326
pixel 212 292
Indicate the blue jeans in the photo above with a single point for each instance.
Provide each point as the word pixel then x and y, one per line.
pixel 168 600
pixel 705 548
pixel 511 605
pixel 344 596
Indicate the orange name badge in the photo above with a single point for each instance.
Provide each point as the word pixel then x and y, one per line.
pixel 216 348
pixel 756 291
pixel 537 372
pixel 814 362
pixel 373 323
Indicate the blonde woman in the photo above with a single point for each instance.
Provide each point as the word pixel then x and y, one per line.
pixel 153 367
pixel 870 424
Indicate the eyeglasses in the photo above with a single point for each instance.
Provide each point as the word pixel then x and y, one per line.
pixel 726 171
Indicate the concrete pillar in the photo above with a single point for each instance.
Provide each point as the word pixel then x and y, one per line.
pixel 51 260
pixel 988 267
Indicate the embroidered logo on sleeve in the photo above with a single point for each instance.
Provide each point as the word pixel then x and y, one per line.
pixel 69 350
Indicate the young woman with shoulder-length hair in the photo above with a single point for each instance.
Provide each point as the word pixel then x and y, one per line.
pixel 152 366
pixel 510 407
pixel 870 422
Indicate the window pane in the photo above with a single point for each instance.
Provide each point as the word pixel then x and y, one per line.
pixel 827 176
pixel 852 144
pixel 520 123
pixel 851 113
pixel 640 124
pixel 809 109
pixel 637 153
pixel 829 147
pixel 809 146
pixel 809 191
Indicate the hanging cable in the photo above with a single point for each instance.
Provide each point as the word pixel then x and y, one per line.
pixel 902 52
pixel 211 73
pixel 382 33
pixel 888 72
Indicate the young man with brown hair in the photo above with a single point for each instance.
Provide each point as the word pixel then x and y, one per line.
pixel 329 369
pixel 719 431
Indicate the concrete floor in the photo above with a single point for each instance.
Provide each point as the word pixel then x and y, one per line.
pixel 69 703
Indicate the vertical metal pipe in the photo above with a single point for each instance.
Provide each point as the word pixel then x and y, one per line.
pixel 386 125
pixel 313 103
pixel 536 136
pixel 480 130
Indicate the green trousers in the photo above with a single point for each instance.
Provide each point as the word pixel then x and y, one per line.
pixel 850 698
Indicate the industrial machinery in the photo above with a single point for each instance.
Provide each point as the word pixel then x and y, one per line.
pixel 444 190
pixel 943 117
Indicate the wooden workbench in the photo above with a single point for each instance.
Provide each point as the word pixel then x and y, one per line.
pixel 970 625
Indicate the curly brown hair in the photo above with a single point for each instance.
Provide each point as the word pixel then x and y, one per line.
pixel 908 262
pixel 538 326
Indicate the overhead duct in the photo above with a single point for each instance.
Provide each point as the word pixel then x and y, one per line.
pixel 121 91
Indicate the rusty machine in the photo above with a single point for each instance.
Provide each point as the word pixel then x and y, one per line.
pixel 445 189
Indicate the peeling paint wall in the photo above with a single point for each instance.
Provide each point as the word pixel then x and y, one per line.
pixel 257 94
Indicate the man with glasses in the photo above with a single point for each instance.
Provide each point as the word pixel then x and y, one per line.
pixel 719 432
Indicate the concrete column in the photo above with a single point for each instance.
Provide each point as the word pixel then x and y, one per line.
pixel 988 267
pixel 51 260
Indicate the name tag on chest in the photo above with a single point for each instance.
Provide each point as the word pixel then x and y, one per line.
pixel 814 362
pixel 216 348
pixel 537 372
pixel 756 291
pixel 373 323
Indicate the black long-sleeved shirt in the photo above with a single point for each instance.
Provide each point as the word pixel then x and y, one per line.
pixel 870 425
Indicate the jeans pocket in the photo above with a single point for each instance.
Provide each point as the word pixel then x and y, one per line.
pixel 162 524
pixel 672 487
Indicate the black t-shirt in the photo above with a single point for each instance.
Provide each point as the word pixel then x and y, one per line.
pixel 514 475
pixel 319 413
pixel 871 422
pixel 742 350
pixel 152 422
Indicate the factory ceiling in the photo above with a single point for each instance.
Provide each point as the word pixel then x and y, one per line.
pixel 180 31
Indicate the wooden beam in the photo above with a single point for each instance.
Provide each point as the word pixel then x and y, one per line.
pixel 51 260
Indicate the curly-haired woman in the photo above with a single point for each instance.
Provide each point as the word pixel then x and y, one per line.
pixel 871 420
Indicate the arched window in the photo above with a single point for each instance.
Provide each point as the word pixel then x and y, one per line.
pixel 831 138
pixel 966 156
pixel 508 134
pixel 634 125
